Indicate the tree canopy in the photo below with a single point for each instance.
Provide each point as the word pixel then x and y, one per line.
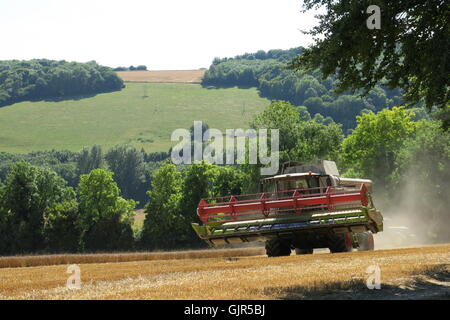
pixel 48 79
pixel 411 50
pixel 371 148
pixel 300 139
pixel 267 71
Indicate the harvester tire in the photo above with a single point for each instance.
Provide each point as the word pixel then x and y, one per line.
pixel 303 251
pixel 277 248
pixel 365 241
pixel 340 243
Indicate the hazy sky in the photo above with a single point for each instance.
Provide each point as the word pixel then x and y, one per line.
pixel 162 34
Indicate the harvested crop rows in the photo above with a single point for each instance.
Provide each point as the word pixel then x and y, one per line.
pixel 422 272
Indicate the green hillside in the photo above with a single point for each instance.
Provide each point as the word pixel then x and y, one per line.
pixel 144 114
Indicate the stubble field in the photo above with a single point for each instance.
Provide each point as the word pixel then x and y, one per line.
pixel 408 273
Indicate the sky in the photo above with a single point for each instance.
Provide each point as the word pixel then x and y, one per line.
pixel 161 34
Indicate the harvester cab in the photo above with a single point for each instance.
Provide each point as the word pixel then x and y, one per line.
pixel 307 206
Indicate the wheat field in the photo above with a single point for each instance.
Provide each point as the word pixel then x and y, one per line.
pixel 172 76
pixel 411 273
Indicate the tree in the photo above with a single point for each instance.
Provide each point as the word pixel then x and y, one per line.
pixel 344 110
pixel 275 82
pixel 228 181
pixel 128 166
pixel 105 217
pixel 43 79
pixel 61 229
pixel 27 197
pixel 317 140
pixel 5 229
pixel 174 197
pixel 402 53
pixel 198 183
pixel 164 225
pixel 371 148
pixel 283 116
pixel 422 180
pixel 300 140
pixel 141 67
pixel 89 160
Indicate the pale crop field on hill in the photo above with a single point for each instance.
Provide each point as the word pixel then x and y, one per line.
pixel 142 114
pixel 183 76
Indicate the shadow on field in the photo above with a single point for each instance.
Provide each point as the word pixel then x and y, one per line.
pixel 225 86
pixel 75 97
pixel 434 284
pixel 71 97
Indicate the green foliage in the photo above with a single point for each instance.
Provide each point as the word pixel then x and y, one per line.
pixel 44 79
pixel 174 197
pixel 128 166
pixel 198 183
pixel 104 215
pixel 131 68
pixel 61 228
pixel 99 197
pixel 423 164
pixel 228 181
pixel 371 148
pixel 428 149
pixel 300 140
pixel 5 230
pixel 89 160
pixel 283 116
pixel 132 167
pixel 109 234
pixel 39 213
pixel 29 195
pixel 317 140
pixel 164 225
pixel 60 161
pixel 403 53
pixel 275 82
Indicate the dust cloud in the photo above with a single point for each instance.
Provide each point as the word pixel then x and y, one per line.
pixel 416 213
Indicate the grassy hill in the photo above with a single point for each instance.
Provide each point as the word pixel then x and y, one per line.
pixel 144 114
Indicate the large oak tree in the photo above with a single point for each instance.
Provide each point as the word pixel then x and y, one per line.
pixel 410 50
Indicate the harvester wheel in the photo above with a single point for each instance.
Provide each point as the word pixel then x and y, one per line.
pixel 340 243
pixel 303 251
pixel 277 248
pixel 365 241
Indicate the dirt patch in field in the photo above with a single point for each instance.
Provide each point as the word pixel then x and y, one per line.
pixel 171 76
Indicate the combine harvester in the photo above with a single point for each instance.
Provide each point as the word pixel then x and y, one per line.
pixel 305 207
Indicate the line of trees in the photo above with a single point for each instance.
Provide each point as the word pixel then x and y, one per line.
pixel 132 167
pixel 131 68
pixel 41 79
pixel 267 71
pixel 41 212
pixel 401 54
